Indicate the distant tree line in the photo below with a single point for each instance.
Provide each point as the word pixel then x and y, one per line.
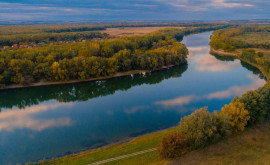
pixel 30 35
pixel 225 38
pixel 33 39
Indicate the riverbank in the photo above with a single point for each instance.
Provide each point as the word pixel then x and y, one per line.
pixel 223 53
pixel 137 144
pixel 237 55
pixel 118 74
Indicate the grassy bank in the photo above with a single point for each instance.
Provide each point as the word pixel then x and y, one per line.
pixel 137 144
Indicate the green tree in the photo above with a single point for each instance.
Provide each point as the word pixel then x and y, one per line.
pixel 257 103
pixel 202 128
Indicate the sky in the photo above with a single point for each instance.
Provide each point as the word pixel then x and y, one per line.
pixel 100 10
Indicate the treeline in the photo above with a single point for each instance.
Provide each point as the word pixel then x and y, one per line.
pixel 32 29
pixel 226 38
pixel 30 35
pixel 33 39
pixel 202 128
pixel 74 29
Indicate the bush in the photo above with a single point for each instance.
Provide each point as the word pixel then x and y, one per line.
pixel 239 116
pixel 172 146
pixel 202 128
pixel 260 54
pixel 257 103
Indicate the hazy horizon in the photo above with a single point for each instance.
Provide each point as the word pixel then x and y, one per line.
pixel 134 10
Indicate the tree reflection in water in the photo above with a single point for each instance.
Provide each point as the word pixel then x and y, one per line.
pixel 25 97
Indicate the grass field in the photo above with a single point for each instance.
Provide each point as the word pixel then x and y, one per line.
pixel 265 51
pixel 132 31
pixel 254 38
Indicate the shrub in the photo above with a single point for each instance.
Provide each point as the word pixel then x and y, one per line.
pixel 239 116
pixel 202 128
pixel 260 54
pixel 172 146
pixel 257 103
pixel 249 55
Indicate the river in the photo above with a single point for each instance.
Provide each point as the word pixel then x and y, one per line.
pixel 46 122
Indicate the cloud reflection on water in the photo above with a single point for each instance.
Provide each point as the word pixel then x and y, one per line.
pixel 232 91
pixel 20 119
pixel 205 62
pixel 210 63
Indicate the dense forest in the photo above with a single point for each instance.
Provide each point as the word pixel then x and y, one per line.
pixel 84 60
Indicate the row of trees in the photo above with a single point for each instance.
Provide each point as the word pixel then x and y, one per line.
pixel 202 128
pixel 29 35
pixel 34 29
pixel 32 39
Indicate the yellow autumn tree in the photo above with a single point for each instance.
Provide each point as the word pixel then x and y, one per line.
pixel 239 116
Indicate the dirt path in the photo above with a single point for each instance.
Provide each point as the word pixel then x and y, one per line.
pixel 123 156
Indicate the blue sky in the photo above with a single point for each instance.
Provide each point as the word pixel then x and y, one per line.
pixel 93 10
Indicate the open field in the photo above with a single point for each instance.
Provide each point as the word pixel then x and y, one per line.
pixel 132 31
pixel 265 51
pixel 254 38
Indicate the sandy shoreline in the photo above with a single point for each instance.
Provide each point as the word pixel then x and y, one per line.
pixel 223 53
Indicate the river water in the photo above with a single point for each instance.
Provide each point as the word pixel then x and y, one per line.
pixel 46 122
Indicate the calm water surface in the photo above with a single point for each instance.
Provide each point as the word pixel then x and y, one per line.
pixel 46 122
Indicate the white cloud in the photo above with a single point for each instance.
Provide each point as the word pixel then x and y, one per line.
pixel 18 11
pixel 225 3
pixel 205 5
pixel 210 63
